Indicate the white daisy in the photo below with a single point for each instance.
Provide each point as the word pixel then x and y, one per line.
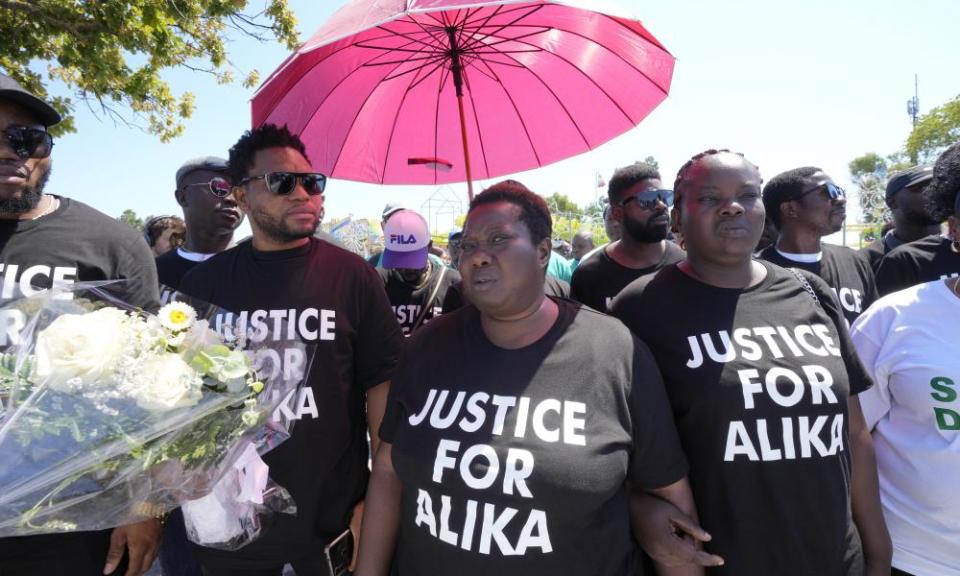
pixel 177 316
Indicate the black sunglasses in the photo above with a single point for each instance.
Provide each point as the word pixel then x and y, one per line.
pixel 283 183
pixel 216 186
pixel 834 192
pixel 29 142
pixel 648 199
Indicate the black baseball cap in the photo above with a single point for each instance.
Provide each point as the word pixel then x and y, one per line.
pixel 212 163
pixel 11 90
pixel 909 177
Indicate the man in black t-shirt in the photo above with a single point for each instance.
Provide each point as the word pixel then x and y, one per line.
pixel 46 241
pixel 287 285
pixel 415 285
pixel 211 214
pixel 805 205
pixel 911 217
pixel 640 205
pixel 933 257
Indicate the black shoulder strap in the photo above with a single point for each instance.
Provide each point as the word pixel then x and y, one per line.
pixel 806 285
pixel 429 303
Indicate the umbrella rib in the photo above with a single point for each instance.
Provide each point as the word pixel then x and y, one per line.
pixel 502 10
pixel 520 118
pixel 476 121
pixel 594 42
pixel 439 64
pixel 584 74
pixel 352 122
pixel 393 129
pixel 440 42
pixel 437 61
pixel 505 40
pixel 499 27
pixel 560 103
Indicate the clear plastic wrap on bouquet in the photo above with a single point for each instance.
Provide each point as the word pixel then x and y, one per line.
pixel 110 415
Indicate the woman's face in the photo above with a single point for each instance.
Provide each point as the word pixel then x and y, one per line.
pixel 502 269
pixel 720 209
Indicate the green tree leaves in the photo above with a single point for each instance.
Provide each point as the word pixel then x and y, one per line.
pixel 113 53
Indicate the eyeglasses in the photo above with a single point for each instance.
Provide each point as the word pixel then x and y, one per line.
pixel 834 192
pixel 29 142
pixel 283 183
pixel 216 186
pixel 648 199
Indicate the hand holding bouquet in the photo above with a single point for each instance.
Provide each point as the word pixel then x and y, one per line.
pixel 113 415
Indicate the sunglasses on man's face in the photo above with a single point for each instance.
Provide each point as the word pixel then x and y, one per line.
pixel 649 199
pixel 27 142
pixel 283 183
pixel 833 191
pixel 216 186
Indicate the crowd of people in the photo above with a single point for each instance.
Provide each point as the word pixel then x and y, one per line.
pixel 717 389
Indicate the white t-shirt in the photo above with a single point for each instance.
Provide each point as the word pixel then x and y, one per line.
pixel 910 343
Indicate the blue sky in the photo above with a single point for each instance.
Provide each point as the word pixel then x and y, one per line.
pixel 817 82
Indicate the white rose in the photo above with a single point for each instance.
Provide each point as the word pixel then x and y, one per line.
pixel 81 346
pixel 165 382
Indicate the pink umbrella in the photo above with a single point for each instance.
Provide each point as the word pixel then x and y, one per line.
pixel 379 90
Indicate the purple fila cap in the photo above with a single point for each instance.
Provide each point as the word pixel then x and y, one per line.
pixel 407 240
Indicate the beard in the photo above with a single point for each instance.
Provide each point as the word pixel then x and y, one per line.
pixel 277 230
pixel 919 217
pixel 648 232
pixel 29 198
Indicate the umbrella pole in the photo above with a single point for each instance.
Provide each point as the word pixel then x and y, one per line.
pixel 457 68
pixel 466 153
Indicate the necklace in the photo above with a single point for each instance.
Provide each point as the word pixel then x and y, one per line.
pixel 52 205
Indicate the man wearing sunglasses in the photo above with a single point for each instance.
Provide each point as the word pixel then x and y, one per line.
pixel 806 205
pixel 640 207
pixel 44 240
pixel 211 213
pixel 305 289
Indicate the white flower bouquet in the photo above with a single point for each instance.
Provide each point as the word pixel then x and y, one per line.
pixel 110 415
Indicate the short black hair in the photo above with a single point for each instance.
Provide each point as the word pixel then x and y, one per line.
pixel 681 180
pixel 155 226
pixel 260 138
pixel 627 176
pixel 943 191
pixel 533 209
pixel 783 187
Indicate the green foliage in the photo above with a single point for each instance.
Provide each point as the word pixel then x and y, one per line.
pixel 936 130
pixel 869 173
pixel 652 161
pixel 130 217
pixel 112 53
pixel 562 204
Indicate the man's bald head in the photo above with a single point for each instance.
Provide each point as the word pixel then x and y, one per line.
pixel 582 243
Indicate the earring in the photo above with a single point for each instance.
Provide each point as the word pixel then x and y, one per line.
pixel 955 246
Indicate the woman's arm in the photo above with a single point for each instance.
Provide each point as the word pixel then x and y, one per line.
pixel 381 518
pixel 665 523
pixel 865 495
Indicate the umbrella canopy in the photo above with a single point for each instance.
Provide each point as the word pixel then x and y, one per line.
pixel 374 93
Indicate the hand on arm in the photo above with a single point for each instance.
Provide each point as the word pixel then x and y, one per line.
pixel 865 495
pixel 665 523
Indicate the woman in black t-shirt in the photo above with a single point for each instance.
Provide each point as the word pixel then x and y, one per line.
pixel 519 428
pixel 762 379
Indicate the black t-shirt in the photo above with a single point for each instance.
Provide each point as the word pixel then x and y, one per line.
pixel 599 278
pixel 408 300
pixel 74 243
pixel 925 260
pixel 171 268
pixel 759 380
pixel 842 269
pixel 334 300
pixel 515 461
pixel 873 253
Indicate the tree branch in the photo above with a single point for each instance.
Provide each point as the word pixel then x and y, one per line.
pixel 32 10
